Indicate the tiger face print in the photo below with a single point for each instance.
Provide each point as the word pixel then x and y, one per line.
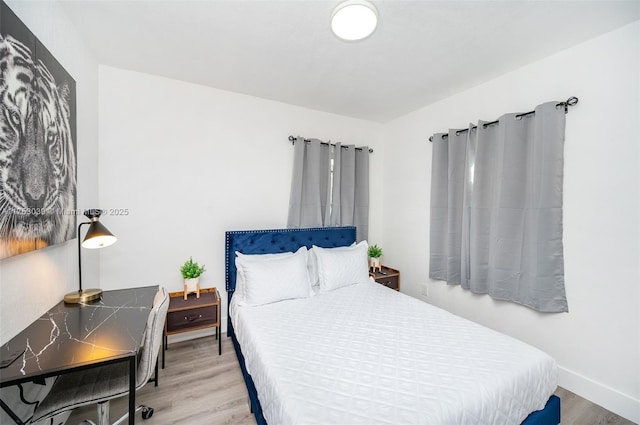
pixel 37 158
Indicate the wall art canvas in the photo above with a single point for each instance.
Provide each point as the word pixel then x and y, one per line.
pixel 37 142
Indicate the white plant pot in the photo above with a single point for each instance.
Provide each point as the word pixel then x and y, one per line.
pixel 375 263
pixel 191 286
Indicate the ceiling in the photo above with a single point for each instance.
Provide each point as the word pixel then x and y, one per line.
pixel 422 51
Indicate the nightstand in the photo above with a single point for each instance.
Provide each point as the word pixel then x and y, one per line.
pixel 192 314
pixel 388 277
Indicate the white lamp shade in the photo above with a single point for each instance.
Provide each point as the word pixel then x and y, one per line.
pixel 354 20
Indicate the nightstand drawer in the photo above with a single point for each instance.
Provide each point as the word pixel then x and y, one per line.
pixel 390 282
pixel 192 318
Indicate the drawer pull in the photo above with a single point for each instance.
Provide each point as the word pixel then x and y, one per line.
pixel 192 318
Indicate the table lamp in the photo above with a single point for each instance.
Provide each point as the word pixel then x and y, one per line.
pixel 98 236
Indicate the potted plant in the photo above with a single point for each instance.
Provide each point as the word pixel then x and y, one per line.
pixel 375 260
pixel 191 272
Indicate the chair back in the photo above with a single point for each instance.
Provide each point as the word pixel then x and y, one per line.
pixel 152 337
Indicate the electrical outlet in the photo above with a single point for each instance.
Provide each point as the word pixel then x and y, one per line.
pixel 425 289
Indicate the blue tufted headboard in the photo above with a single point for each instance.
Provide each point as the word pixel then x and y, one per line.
pixel 278 240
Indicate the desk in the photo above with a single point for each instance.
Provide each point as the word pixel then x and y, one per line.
pixel 70 337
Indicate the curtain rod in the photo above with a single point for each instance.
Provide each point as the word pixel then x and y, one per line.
pixel 293 142
pixel 572 101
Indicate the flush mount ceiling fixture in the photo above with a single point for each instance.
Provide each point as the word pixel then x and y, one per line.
pixel 354 20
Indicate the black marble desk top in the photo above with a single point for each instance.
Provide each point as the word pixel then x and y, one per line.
pixel 71 336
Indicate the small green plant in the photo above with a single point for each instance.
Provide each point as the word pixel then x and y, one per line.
pixel 191 269
pixel 375 251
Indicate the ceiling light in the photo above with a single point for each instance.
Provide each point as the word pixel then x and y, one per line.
pixel 354 20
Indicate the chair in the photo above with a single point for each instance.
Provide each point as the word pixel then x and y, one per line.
pixel 102 384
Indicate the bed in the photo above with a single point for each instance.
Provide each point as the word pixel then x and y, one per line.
pixel 362 353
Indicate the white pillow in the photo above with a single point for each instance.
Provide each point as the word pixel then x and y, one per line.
pixel 267 280
pixel 239 291
pixel 312 267
pixel 342 267
pixel 312 262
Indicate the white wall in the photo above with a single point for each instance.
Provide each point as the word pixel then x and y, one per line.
pixel 191 162
pixel 597 344
pixel 32 283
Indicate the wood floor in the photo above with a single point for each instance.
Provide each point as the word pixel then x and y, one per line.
pixel 198 387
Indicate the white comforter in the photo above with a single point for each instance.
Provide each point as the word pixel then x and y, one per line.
pixel 365 354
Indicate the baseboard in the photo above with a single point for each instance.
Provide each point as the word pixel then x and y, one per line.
pixel 602 395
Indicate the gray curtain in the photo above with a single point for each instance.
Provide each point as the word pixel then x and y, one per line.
pixel 309 203
pixel 496 208
pixel 350 189
pixel 320 197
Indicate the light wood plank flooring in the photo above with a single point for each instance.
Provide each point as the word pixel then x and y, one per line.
pixel 578 411
pixel 198 387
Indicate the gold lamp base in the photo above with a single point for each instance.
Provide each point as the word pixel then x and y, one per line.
pixel 83 296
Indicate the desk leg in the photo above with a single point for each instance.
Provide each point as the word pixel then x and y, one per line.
pixel 132 390
pixel 219 340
